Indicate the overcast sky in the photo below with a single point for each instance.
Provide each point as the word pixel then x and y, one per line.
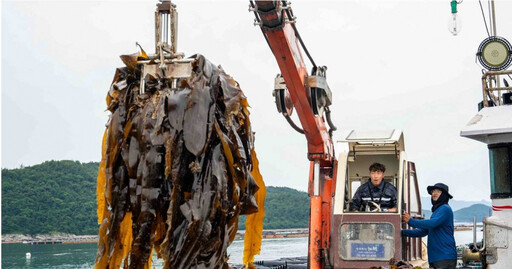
pixel 391 65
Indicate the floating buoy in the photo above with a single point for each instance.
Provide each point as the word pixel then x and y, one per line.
pixel 28 255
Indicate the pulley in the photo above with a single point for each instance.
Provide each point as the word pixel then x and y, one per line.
pixel 282 97
pixel 284 102
pixel 320 96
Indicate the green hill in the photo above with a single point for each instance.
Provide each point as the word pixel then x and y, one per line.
pixel 454 203
pixel 466 214
pixel 55 196
pixel 284 208
pixel 60 197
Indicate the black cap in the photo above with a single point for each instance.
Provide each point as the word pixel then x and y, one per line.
pixel 439 186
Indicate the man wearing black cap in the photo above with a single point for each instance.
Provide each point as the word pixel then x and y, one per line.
pixel 442 252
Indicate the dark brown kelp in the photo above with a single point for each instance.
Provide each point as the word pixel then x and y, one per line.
pixel 178 168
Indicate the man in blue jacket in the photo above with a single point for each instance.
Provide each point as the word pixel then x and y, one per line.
pixel 376 193
pixel 442 252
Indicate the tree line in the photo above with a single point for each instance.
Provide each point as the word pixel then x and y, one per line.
pixel 60 197
pixel 52 197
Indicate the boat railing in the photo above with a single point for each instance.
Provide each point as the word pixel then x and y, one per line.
pixel 491 85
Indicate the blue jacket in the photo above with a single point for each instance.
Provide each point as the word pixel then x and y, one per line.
pixel 439 228
pixel 384 195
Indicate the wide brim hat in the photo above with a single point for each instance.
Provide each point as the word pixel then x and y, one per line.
pixel 439 186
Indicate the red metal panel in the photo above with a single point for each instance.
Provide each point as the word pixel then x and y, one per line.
pixel 408 187
pixel 414 249
pixel 326 213
pixel 416 190
pixel 410 241
pixel 414 246
pixel 315 233
pixel 394 219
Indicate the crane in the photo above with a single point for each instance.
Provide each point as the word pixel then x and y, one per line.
pixel 338 238
pixel 310 96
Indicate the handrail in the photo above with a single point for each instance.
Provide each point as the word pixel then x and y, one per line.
pixel 488 89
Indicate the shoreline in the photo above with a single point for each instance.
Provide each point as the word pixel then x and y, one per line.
pixel 76 239
pixel 48 239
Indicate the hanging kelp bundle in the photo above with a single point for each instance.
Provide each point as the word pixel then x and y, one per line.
pixel 178 168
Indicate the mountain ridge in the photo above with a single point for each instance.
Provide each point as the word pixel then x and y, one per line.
pixel 60 197
pixel 454 203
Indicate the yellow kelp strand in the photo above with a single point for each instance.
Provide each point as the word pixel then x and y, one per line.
pixel 150 260
pixel 254 222
pixel 102 258
pixel 102 211
pixel 178 169
pixel 100 185
pixel 124 245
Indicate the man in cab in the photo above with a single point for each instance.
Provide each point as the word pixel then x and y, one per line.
pixel 376 194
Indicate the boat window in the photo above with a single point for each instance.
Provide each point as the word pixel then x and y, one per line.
pixel 366 241
pixel 405 194
pixel 354 186
pixel 500 164
pixel 414 199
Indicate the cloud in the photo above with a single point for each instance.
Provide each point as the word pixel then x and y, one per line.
pixel 391 65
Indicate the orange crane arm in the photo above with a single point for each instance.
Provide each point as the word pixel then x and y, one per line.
pixel 310 96
pixel 282 37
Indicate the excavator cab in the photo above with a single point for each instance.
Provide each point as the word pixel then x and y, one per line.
pixel 370 236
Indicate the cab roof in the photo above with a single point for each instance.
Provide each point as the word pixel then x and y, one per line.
pixel 381 141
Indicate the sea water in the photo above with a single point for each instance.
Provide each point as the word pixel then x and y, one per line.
pixel 82 255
